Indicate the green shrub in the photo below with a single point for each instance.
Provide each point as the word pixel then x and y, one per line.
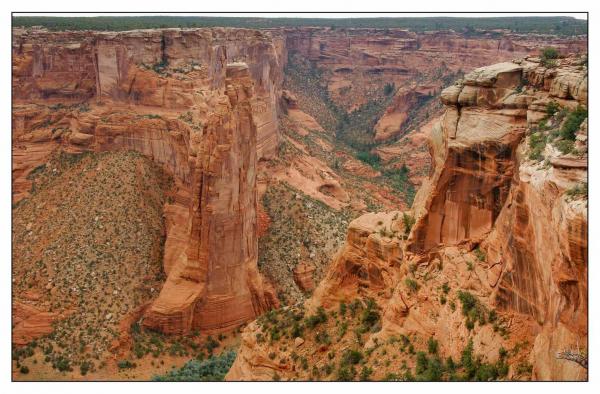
pixel 365 373
pixel 125 364
pixel 446 288
pixel 572 123
pixel 565 146
pixel 389 88
pixel 160 66
pixel 471 309
pixel 24 369
pixel 62 364
pixel 318 318
pixel 428 369
pixel 345 374
pixel 213 369
pixel 211 344
pixel 548 56
pixel 84 367
pixel 537 144
pixel 550 53
pixel 549 63
pixel 581 189
pixel 323 337
pixel 351 357
pixel 552 107
pixel 480 254
pixel 408 221
pixel 367 157
pixel 297 330
pixel 399 179
pixel 342 308
pixel 370 316
pixel 432 346
pixel 412 284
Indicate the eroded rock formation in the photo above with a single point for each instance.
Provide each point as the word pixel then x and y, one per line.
pixel 492 220
pixel 186 99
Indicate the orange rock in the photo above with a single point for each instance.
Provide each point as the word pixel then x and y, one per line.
pixel 30 323
pixel 303 276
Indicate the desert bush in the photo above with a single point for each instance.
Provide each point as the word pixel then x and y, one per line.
pixel 213 369
pixel 552 107
pixel 572 123
pixel 550 53
pixel 432 346
pixel 412 284
pixel 316 319
pixel 389 88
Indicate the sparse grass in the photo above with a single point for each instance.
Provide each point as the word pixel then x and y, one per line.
pixel 480 254
pixel 472 309
pixel 548 57
pixel 537 144
pixel 408 221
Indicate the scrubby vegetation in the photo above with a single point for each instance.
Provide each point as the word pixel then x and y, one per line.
pixel 572 123
pixel 549 56
pixel 579 190
pixel 559 128
pixel 212 369
pixel 340 335
pixel 94 249
pixel 301 229
pixel 398 178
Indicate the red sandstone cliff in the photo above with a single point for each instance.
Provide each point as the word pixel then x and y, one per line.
pixel 356 62
pixel 492 219
pixel 187 100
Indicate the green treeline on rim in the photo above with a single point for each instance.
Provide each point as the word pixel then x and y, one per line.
pixel 560 25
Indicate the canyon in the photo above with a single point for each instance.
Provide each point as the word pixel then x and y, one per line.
pixel 231 113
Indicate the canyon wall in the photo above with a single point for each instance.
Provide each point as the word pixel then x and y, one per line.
pixel 73 66
pixel 358 63
pixel 495 218
pixel 201 102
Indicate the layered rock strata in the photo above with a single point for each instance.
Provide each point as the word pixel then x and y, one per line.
pixel 492 219
pixel 216 284
pixel 74 66
pixel 180 98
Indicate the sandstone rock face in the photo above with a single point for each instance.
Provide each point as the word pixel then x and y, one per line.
pixel 71 66
pixel 303 276
pixel 477 149
pixel 368 261
pixel 216 285
pixel 490 220
pixel 357 60
pixel 392 122
pixel 534 234
pixel 185 99
pixel 30 323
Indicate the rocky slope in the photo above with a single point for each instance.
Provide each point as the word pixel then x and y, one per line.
pixel 490 281
pixel 75 289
